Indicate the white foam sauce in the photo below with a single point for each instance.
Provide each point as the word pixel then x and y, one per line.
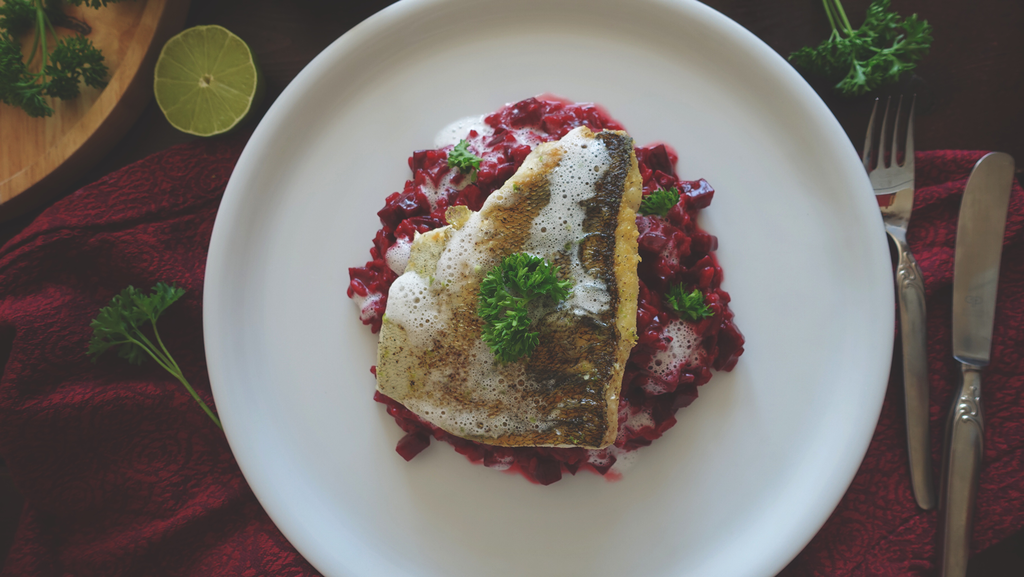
pixel 460 130
pixel 434 192
pixel 624 460
pixel 451 135
pixel 397 255
pixel 415 307
pixel 365 304
pixel 421 305
pixel 684 349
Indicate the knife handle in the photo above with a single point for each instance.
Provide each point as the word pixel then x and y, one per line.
pixel 910 288
pixel 960 468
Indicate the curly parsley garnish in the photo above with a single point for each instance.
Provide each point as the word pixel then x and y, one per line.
pixel 505 294
pixel 462 159
pixel 659 202
pixel 688 305
pixel 877 53
pixel 72 59
pixel 120 325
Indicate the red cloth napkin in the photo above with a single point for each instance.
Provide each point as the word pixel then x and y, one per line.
pixel 123 474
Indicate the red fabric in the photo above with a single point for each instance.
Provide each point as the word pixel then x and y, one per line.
pixel 123 474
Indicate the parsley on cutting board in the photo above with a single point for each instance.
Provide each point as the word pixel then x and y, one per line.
pixel 55 66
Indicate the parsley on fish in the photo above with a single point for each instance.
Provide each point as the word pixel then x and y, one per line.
pixel 863 59
pixel 56 66
pixel 688 305
pixel 505 295
pixel 123 324
pixel 659 202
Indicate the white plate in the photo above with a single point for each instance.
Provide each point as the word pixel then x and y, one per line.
pixel 754 466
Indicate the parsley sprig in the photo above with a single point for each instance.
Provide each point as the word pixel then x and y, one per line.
pixel 56 66
pixel 860 60
pixel 659 202
pixel 505 295
pixel 688 305
pixel 462 159
pixel 121 325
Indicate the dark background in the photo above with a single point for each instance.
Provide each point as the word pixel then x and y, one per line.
pixel 970 95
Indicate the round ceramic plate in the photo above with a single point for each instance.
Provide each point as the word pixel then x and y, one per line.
pixel 755 465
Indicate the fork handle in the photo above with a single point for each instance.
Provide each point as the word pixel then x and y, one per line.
pixel 910 288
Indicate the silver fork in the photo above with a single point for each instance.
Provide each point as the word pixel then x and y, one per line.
pixel 896 184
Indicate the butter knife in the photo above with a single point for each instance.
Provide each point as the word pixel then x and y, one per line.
pixel 979 244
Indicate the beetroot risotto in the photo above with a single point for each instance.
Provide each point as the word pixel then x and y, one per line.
pixel 672 356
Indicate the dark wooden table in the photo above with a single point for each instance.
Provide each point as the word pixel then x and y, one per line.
pixel 970 93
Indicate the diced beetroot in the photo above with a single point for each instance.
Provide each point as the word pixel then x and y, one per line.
pixel 545 471
pixel 402 205
pixel 410 445
pixel 416 160
pixel 730 347
pixel 421 224
pixel 665 181
pixel 526 113
pixel 656 158
pixel 519 153
pixel 705 276
pixel 699 191
pixel 357 287
pixel 471 197
pixel 685 394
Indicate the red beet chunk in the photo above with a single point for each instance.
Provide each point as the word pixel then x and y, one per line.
pixel 656 158
pixel 408 228
pixel 475 452
pixel 699 191
pixel 402 205
pixel 410 445
pixel 730 347
pixel 471 196
pixel 356 287
pixel 685 394
pixel 526 113
pixel 381 243
pixel 545 471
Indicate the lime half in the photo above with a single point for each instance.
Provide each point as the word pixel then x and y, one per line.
pixel 206 81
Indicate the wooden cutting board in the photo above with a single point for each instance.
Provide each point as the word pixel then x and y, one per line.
pixel 40 157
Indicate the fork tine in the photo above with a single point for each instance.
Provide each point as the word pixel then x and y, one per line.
pixel 909 155
pixel 881 136
pixel 895 131
pixel 866 157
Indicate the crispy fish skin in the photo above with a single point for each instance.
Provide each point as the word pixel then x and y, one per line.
pixel 566 394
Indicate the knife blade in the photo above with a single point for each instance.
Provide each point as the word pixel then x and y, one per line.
pixel 979 243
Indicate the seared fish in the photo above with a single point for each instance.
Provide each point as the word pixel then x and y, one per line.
pixel 573 202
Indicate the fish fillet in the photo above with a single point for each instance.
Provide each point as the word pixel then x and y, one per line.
pixel 572 202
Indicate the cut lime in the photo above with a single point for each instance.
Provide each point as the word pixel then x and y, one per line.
pixel 206 81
